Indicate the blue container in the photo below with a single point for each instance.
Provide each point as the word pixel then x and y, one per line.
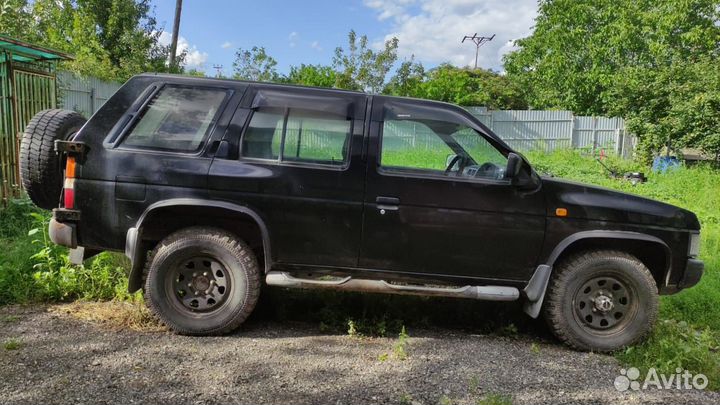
pixel 662 164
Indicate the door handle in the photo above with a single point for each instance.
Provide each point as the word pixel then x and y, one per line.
pixel 385 204
pixel 387 200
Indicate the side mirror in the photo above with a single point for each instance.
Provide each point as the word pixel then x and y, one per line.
pixel 514 165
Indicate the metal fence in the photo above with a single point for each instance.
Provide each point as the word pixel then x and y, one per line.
pixel 550 130
pixel 84 94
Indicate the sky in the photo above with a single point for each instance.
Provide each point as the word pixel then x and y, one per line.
pixel 308 31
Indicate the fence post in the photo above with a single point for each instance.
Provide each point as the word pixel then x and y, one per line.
pixel 573 133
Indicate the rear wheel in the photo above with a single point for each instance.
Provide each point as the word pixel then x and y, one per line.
pixel 40 167
pixel 601 300
pixel 202 281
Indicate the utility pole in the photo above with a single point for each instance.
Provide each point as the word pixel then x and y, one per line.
pixel 218 69
pixel 175 33
pixel 478 41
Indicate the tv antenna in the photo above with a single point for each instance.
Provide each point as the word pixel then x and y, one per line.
pixel 478 41
pixel 218 70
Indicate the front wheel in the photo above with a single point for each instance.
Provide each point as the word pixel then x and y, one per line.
pixel 601 300
pixel 202 281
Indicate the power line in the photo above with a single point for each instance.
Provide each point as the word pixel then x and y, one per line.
pixel 218 69
pixel 478 41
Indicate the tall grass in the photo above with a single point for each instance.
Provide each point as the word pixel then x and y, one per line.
pixel 32 268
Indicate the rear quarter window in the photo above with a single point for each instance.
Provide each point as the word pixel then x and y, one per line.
pixel 176 119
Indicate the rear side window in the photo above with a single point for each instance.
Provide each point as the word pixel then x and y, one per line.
pixel 176 119
pixel 293 135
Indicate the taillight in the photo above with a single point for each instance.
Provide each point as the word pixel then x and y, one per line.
pixel 69 184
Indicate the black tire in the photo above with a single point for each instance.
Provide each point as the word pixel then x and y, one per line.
pixel 601 301
pixel 40 168
pixel 191 260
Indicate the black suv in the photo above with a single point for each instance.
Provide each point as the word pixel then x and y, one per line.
pixel 212 186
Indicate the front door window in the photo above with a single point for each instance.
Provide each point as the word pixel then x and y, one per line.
pixel 438 148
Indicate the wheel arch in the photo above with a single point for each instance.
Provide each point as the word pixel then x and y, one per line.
pixel 169 213
pixel 641 245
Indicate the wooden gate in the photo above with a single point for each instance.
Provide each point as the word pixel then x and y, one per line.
pixel 27 85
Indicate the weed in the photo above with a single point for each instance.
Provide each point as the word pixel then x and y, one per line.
pixel 474 383
pixel 400 347
pixel 495 399
pixel 383 357
pixel 405 399
pixel 10 319
pixel 535 348
pixel 445 400
pixel 352 329
pixel 12 344
pixel 509 330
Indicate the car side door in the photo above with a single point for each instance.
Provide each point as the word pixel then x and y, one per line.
pixel 295 160
pixel 423 217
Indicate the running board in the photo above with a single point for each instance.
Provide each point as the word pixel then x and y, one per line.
pixel 488 293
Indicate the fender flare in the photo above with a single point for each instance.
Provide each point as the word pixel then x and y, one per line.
pixel 134 251
pixel 537 286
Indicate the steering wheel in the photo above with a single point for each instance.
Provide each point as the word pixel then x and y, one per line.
pixel 454 160
pixel 486 169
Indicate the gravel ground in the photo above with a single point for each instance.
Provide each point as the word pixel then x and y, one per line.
pixel 64 360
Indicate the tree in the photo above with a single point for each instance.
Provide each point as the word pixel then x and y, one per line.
pixel 676 106
pixel 463 86
pixel 361 68
pixel 255 65
pixel 15 18
pixel 653 62
pixel 311 75
pixel 407 80
pixel 110 39
pixel 578 48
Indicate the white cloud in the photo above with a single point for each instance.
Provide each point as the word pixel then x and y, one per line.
pixel 293 37
pixel 226 45
pixel 194 58
pixel 432 29
pixel 316 46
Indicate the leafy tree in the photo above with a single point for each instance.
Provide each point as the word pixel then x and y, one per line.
pixel 361 68
pixel 15 18
pixel 407 80
pixel 195 73
pixel 674 106
pixel 653 62
pixel 578 48
pixel 311 75
pixel 110 39
pixel 255 64
pixel 465 86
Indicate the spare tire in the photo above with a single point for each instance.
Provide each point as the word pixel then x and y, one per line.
pixel 40 168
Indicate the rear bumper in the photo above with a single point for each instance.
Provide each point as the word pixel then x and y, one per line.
pixel 63 228
pixel 693 273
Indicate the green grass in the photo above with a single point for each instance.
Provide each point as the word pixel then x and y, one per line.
pixel 33 269
pixel 12 344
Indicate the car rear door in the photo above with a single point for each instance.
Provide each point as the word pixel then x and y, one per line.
pixel 421 218
pixel 295 159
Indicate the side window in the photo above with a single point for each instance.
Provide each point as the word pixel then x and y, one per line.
pixel 412 145
pixel 176 119
pixel 434 146
pixel 294 135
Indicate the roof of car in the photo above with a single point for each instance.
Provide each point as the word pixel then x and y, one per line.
pixel 264 84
